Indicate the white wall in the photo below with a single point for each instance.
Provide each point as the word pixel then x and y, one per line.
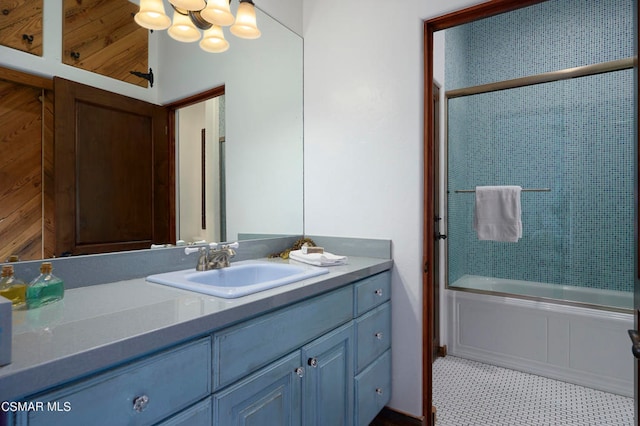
pixel 363 147
pixel 287 12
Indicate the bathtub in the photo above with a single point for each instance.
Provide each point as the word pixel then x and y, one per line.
pixel 584 345
pixel 610 299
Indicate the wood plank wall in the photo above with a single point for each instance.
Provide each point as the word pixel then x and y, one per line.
pixel 20 171
pixel 21 25
pixel 101 36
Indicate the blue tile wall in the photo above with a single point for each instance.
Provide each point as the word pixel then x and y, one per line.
pixel 573 136
pixel 550 36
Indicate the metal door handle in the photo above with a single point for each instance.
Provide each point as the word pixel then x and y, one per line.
pixel 635 340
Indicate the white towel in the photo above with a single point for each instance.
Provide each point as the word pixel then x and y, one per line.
pixel 318 259
pixel 497 213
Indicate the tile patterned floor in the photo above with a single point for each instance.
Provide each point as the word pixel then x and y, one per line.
pixel 469 393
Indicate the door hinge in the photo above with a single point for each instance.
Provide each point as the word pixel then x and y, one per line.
pixel 426 267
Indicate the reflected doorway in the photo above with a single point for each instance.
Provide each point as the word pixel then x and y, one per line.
pixel 198 131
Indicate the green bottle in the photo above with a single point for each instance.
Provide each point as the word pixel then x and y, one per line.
pixel 45 288
pixel 12 288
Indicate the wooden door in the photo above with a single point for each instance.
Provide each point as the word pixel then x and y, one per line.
pixel 112 173
pixel 438 214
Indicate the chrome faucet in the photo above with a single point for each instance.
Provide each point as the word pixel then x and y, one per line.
pixel 213 257
pixel 219 257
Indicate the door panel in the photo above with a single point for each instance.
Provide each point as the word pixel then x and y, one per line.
pixel 112 171
pixel 435 341
pixel 268 397
pixel 328 381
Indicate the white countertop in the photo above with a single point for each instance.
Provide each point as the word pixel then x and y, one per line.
pixel 98 326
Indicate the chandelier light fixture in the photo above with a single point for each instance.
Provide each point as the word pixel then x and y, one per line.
pixel 200 20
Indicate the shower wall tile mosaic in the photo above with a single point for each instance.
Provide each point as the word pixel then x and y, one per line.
pixel 572 136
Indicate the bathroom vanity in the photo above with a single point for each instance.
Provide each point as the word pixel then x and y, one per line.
pixel 133 352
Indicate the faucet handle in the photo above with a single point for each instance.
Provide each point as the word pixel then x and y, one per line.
pixel 189 250
pixel 216 245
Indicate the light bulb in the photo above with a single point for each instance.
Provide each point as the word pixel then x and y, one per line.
pixel 183 29
pixel 189 4
pixel 213 40
pixel 245 26
pixel 152 16
pixel 218 13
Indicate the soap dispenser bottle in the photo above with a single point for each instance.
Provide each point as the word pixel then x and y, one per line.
pixel 12 288
pixel 45 288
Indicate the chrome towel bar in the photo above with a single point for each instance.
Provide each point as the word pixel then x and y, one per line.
pixel 523 190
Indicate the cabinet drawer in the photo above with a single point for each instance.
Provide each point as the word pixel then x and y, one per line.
pixel 371 292
pixel 200 414
pixel 246 347
pixel 373 334
pixel 373 389
pixel 141 393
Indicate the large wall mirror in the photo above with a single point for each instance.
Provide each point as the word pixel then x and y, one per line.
pixel 262 122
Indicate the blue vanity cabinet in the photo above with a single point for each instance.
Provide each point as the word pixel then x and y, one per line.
pixel 311 386
pixel 325 360
pixel 271 396
pixel 141 393
pixel 373 331
pixel 300 360
pixel 372 312
pixel 245 347
pixel 373 389
pixel 199 414
pixel 327 383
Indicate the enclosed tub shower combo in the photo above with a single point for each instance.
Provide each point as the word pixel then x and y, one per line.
pixel 552 113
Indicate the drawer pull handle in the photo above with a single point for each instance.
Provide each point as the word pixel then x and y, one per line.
pixel 378 292
pixel 378 336
pixel 299 371
pixel 313 362
pixel 140 403
pixel 379 391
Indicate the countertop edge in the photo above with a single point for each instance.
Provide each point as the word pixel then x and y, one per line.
pixel 22 383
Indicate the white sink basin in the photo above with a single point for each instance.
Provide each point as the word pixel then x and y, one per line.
pixel 239 279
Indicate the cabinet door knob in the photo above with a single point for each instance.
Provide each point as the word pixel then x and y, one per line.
pixel 378 336
pixel 379 391
pixel 299 371
pixel 140 403
pixel 313 362
pixel 378 292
